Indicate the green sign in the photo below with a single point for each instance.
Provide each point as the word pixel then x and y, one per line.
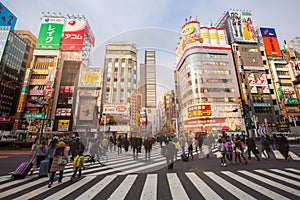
pixel 279 93
pixel 50 33
pixel 34 115
pixel 291 101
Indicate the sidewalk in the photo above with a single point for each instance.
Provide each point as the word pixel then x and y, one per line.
pixel 13 153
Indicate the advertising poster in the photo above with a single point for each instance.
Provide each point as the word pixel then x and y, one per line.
pixel 90 77
pixel 63 125
pixel 73 35
pixel 242 27
pixel 50 33
pixel 6 17
pixel 270 41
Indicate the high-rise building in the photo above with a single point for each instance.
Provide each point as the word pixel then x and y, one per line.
pixel 208 92
pixel 13 55
pixel 258 96
pixel 50 87
pixel 119 81
pixel 148 80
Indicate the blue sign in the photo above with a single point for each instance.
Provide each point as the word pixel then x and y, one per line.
pixel 7 18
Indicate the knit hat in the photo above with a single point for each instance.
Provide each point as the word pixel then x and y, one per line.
pixel 61 144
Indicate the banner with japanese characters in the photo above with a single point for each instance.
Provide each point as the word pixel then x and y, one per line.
pixel 50 33
pixel 73 36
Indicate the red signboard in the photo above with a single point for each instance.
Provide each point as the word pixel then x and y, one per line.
pixel 73 36
pixel 199 111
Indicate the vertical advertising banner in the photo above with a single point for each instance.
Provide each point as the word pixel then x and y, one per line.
pixel 50 33
pixel 242 27
pixel 73 36
pixel 6 17
pixel 270 41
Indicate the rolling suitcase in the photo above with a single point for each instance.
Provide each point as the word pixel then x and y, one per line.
pixel 184 157
pixel 22 170
pixel 43 170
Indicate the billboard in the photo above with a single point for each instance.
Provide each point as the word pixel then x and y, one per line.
pixel 50 33
pixel 7 18
pixel 116 108
pixel 270 41
pixel 90 77
pixel 242 28
pixel 73 36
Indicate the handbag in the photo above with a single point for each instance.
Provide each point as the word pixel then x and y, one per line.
pixel 61 160
pixel 238 151
pixel 219 154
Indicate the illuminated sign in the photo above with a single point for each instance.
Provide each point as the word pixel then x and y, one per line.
pixel 199 111
pixel 50 33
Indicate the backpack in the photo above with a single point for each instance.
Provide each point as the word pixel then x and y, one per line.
pixel 229 147
pixel 76 162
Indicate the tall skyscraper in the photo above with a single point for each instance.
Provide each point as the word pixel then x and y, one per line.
pixel 148 80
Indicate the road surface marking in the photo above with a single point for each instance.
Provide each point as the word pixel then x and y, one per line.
pixel 150 188
pixel 177 190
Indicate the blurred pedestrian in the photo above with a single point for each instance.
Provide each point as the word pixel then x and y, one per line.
pixel 78 165
pixel 265 145
pixel 119 144
pixel 229 150
pixel 51 149
pixel 252 148
pixel 283 146
pixel 169 153
pixel 222 150
pixel 41 154
pixel 148 147
pixel 190 147
pixel 239 150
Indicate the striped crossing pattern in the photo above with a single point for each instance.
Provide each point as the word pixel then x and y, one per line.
pixel 242 184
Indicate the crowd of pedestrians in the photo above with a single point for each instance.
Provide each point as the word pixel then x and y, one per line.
pixel 231 150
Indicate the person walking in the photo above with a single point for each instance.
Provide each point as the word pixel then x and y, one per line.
pixel 119 144
pixel 182 143
pixel 135 145
pixel 229 150
pixel 239 150
pixel 170 150
pixel 74 147
pixel 252 148
pixel 78 165
pixel 283 146
pixel 148 147
pixel 190 147
pixel 51 149
pixel 222 150
pixel 265 145
pixel 125 143
pixel 196 143
pixel 41 154
pixel 60 152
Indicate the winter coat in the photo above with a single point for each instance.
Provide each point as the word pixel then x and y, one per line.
pixel 55 166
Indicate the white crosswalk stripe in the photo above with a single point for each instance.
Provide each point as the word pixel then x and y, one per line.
pixel 149 190
pixel 93 191
pixel 121 191
pixel 240 194
pixel 272 183
pixel 265 187
pixel 202 187
pixel 177 190
pixel 254 186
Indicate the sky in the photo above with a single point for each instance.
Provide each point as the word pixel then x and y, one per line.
pixel 154 24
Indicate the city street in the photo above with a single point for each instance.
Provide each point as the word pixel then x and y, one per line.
pixel 121 177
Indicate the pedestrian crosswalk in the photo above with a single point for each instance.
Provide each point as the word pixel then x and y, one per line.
pixel 241 184
pixel 120 175
pixel 275 154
